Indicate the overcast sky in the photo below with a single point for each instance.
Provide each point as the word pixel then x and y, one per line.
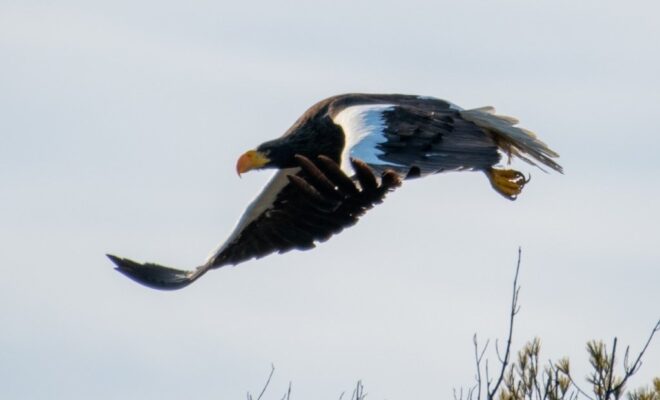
pixel 120 125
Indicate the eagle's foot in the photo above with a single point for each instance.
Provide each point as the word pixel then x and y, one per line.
pixel 507 182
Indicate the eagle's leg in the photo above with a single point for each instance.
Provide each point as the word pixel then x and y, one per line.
pixel 507 182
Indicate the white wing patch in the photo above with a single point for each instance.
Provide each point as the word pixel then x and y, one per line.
pixel 364 129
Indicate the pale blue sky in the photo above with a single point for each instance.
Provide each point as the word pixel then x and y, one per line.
pixel 120 126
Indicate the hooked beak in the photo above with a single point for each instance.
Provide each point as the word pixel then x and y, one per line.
pixel 251 159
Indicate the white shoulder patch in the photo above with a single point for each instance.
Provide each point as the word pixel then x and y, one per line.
pixel 364 129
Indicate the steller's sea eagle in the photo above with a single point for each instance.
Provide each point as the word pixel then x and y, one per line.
pixel 342 156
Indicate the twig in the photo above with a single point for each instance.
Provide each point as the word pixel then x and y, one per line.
pixel 535 364
pixel 575 385
pixel 263 390
pixel 457 397
pixel 287 395
pixel 358 392
pixel 610 374
pixel 478 356
pixel 471 392
pixel 514 311
pixel 638 362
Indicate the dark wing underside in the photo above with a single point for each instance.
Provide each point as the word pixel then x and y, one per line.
pixel 293 212
pixel 316 203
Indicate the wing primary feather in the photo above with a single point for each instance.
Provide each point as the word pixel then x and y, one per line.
pixel 299 238
pixel 389 181
pixel 365 176
pixel 311 195
pixel 330 168
pixel 317 178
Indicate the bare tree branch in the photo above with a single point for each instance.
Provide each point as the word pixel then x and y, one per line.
pixel 576 386
pixel 610 374
pixel 263 390
pixel 514 311
pixel 287 395
pixel 478 356
pixel 628 372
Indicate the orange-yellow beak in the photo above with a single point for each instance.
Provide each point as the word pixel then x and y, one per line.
pixel 250 160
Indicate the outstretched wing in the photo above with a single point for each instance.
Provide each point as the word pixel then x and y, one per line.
pixel 296 209
pixel 417 135
pixel 414 136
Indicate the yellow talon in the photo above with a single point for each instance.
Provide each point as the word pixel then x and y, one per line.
pixel 507 182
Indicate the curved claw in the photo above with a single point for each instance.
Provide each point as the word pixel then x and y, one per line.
pixel 155 276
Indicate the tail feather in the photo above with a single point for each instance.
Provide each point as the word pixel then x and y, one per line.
pixel 516 141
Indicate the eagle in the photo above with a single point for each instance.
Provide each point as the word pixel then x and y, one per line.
pixel 342 157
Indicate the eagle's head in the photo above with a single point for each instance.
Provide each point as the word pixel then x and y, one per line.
pixel 252 159
pixel 277 153
pixel 311 140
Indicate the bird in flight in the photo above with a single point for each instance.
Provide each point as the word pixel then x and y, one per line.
pixel 341 157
